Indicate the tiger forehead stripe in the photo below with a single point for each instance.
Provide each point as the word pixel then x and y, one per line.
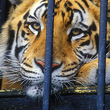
pixel 80 6
pixel 67 6
pixel 43 4
pixel 85 2
pixel 26 15
pixel 57 4
pixel 67 3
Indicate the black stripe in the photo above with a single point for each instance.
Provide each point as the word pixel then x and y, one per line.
pixel 67 4
pixel 80 6
pixel 108 19
pixel 71 69
pixel 18 50
pixel 70 19
pixel 45 4
pixel 57 4
pixel 11 37
pixel 68 9
pixel 90 56
pixel 31 17
pixel 27 65
pixel 107 45
pixel 44 14
pixel 28 72
pixel 23 33
pixel 96 37
pixel 79 56
pixel 26 15
pixel 23 59
pixel 85 43
pixel 43 1
pixel 85 2
pixel 92 27
pixel 81 53
pixel 74 63
pixel 80 60
pixel 108 10
pixel 63 15
pixel 19 25
pixel 76 10
pixel 84 25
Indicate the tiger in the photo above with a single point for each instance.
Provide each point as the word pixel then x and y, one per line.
pixel 75 45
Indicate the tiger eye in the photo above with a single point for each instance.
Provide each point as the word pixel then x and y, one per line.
pixel 36 26
pixel 76 31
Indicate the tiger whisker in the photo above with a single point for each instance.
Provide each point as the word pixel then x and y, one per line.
pixel 68 82
pixel 15 79
pixel 71 84
pixel 108 45
pixel 10 75
pixel 8 60
pixel 7 76
pixel 26 82
pixel 77 82
pixel 82 79
pixel 23 81
pixel 65 85
pixel 56 96
pixel 60 96
pixel 12 82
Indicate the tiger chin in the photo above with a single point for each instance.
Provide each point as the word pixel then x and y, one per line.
pixel 75 45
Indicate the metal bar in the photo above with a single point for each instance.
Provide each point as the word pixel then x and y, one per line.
pixel 102 56
pixel 2 6
pixel 2 15
pixel 48 55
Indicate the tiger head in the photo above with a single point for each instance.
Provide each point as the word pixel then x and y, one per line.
pixel 23 39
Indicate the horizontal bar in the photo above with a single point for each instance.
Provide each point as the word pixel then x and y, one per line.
pixel 68 91
pixel 102 56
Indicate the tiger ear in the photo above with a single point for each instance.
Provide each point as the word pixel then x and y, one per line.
pixel 15 2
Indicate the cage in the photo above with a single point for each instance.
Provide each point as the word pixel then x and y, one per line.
pixel 73 98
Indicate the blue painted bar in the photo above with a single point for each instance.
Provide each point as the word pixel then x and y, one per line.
pixel 2 4
pixel 2 15
pixel 2 7
pixel 48 55
pixel 102 56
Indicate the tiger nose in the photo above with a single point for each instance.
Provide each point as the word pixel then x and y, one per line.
pixel 42 65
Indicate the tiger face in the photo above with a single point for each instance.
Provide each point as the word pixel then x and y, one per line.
pixel 75 41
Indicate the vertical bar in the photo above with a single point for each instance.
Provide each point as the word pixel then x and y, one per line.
pixel 48 55
pixel 2 13
pixel 102 56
